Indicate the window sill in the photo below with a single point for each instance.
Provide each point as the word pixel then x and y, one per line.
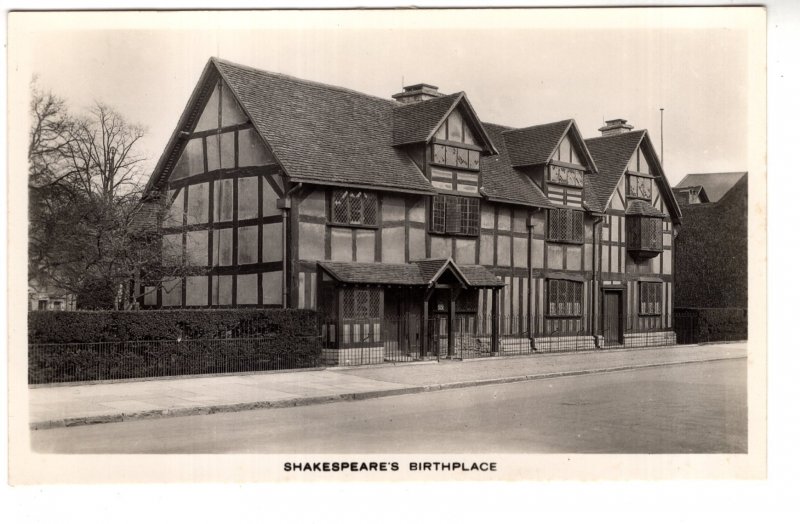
pixel 572 242
pixel 460 235
pixel 352 226
pixel 649 314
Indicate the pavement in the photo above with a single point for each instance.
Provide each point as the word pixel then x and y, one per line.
pixel 74 405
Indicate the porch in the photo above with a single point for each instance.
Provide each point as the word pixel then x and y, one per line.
pixel 405 312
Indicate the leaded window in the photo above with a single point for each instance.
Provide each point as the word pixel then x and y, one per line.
pixel 361 303
pixel 564 298
pixel 644 235
pixel 354 207
pixel 458 157
pixel 640 187
pixel 565 175
pixel 455 215
pixel 650 298
pixel 565 225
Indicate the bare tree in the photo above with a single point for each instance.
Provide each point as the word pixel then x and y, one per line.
pixel 91 231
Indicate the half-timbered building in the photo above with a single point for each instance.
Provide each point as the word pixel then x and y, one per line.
pixel 413 227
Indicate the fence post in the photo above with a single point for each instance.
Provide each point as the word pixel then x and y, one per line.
pixel 495 321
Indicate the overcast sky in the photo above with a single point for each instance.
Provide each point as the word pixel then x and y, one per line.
pixel 517 68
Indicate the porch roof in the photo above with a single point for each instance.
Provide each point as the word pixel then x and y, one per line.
pixel 420 273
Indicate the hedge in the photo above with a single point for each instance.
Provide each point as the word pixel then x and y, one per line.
pixel 80 346
pixel 49 327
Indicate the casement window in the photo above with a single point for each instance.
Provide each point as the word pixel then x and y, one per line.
pixel 565 225
pixel 351 207
pixel 650 298
pixel 564 298
pixel 644 235
pixel 455 215
pixel 640 187
pixel 361 303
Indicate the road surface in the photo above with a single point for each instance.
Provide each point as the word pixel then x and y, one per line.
pixel 687 408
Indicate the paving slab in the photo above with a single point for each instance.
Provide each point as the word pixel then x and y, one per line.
pixel 59 406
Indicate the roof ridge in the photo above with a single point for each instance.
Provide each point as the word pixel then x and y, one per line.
pixel 305 81
pixel 720 173
pixel 615 136
pixel 527 128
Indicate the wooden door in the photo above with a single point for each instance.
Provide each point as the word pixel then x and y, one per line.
pixel 612 317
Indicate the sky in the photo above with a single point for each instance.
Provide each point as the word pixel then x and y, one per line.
pixel 518 68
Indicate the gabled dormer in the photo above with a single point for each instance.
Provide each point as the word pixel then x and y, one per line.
pixel 555 157
pixel 443 135
pixel 446 139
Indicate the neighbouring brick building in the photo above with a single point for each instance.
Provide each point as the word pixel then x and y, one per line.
pixel 711 254
pixel 410 223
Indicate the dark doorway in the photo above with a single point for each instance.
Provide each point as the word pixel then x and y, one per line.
pixel 612 316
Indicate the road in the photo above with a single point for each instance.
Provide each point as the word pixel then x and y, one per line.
pixel 687 408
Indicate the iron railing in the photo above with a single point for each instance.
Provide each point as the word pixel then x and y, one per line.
pixel 358 341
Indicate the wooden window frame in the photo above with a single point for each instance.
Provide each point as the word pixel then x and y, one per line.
pixel 629 191
pixel 650 297
pixel 456 145
pixel 574 229
pixel 564 289
pixel 348 195
pixel 443 210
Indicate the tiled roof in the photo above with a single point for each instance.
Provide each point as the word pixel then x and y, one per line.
pixel 479 276
pixel 374 273
pixel 429 267
pixel 715 184
pixel 321 133
pixel 534 145
pixel 611 155
pixel 418 121
pixel 640 207
pixel 419 273
pixel 503 182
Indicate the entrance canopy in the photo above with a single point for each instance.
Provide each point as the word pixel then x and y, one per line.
pixel 426 273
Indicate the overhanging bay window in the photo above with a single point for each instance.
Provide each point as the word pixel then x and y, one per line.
pixel 644 236
pixel 353 207
pixel 565 225
pixel 455 215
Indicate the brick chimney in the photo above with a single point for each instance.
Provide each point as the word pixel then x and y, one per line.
pixel 417 93
pixel 616 126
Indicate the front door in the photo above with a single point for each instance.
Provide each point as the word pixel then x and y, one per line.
pixel 439 308
pixel 612 317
